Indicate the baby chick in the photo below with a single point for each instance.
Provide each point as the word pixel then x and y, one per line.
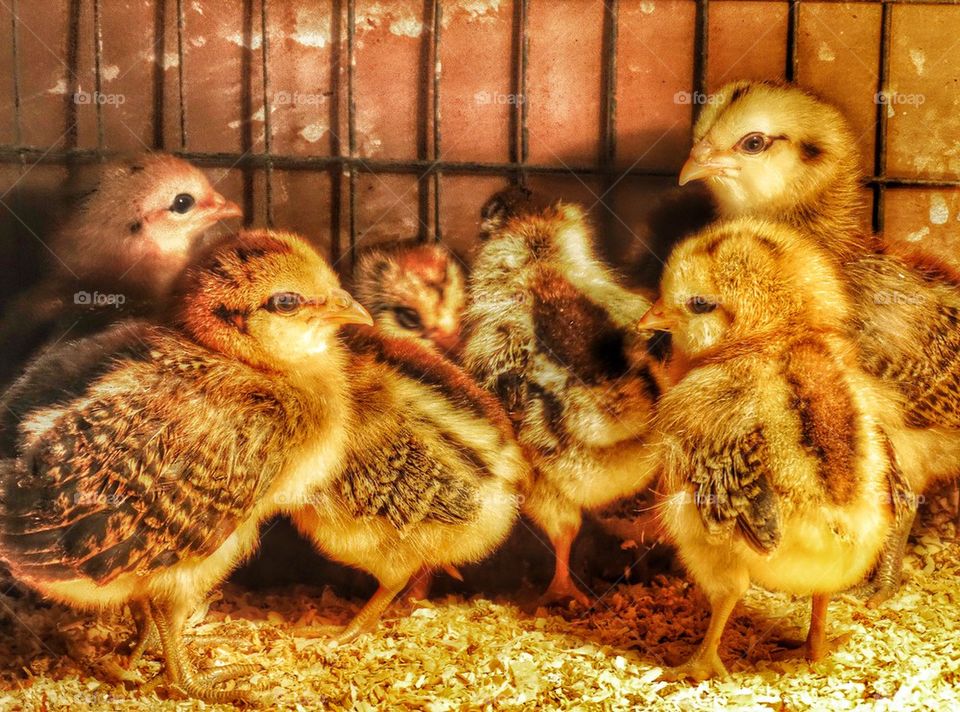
pixel 414 291
pixel 119 251
pixel 432 477
pixel 775 150
pixel 550 331
pixel 147 456
pixel 776 469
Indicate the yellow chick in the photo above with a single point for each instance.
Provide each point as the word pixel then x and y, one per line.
pixel 433 475
pixel 774 150
pixel 139 463
pixel 776 469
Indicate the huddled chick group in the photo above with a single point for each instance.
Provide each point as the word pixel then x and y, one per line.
pixel 786 430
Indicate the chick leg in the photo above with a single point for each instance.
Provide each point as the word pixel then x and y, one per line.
pixel 816 646
pixel 145 637
pixel 562 588
pixel 885 581
pixel 420 588
pixel 705 663
pixel 366 620
pixel 180 672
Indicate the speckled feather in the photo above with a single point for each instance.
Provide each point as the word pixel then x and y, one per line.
pixel 115 482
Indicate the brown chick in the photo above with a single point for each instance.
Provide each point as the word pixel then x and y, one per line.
pixel 146 456
pixel 117 254
pixel 433 474
pixel 551 332
pixel 775 150
pixel 414 291
pixel 776 469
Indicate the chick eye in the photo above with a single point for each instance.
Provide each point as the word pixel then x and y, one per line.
pixel 407 318
pixel 753 143
pixel 182 203
pixel 701 305
pixel 285 303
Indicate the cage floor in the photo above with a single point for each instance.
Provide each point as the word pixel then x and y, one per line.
pixel 480 654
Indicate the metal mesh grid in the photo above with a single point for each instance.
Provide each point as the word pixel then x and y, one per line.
pixel 430 165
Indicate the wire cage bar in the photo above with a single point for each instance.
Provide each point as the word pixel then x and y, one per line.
pixel 430 167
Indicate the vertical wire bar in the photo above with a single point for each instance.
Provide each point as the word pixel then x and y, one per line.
pixel 97 77
pixel 336 144
pixel 701 55
pixel 793 39
pixel 72 115
pixel 437 72
pixel 352 126
pixel 15 48
pixel 267 105
pixel 880 149
pixel 181 74
pixel 524 71
pixel 159 75
pixel 608 118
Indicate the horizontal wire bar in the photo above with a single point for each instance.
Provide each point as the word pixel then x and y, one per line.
pixel 14 154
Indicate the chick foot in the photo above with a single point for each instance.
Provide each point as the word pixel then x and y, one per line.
pixel 180 672
pixel 886 580
pixel 560 593
pixel 816 646
pixel 703 665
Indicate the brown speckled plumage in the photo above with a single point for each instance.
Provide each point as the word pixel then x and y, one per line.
pixel 551 332
pixel 144 458
pixel 414 291
pixel 432 476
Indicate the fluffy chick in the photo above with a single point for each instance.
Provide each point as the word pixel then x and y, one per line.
pixel 906 305
pixel 776 468
pixel 414 291
pixel 147 456
pixel 550 331
pixel 776 151
pixel 128 239
pixel 433 474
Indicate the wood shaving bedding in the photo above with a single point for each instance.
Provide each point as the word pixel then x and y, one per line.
pixel 455 653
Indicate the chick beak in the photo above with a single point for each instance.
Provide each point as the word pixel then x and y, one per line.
pixel 655 319
pixel 706 162
pixel 341 308
pixel 223 209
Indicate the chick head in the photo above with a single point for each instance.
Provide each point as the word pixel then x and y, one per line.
pixel 744 278
pixel 415 292
pixel 765 147
pixel 142 221
pixel 267 298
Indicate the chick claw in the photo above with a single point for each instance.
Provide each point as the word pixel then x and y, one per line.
pixel 560 594
pixel 702 666
pixel 809 650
